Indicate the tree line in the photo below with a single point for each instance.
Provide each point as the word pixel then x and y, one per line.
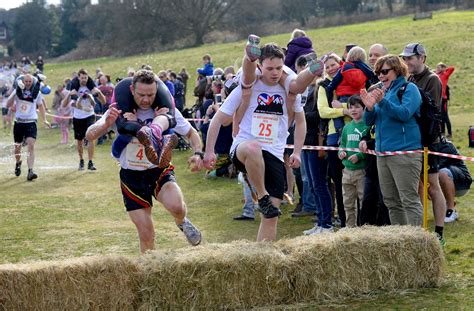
pixel 125 27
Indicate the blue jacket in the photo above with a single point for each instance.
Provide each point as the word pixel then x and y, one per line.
pixel 170 87
pixel 396 128
pixel 207 70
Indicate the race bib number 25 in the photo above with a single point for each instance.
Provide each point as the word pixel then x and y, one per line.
pixel 265 127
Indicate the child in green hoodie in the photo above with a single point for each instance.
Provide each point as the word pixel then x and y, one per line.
pixel 354 162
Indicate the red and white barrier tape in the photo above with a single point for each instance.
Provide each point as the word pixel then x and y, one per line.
pixel 327 148
pixel 191 119
pixel 386 153
pixel 65 117
pixel 453 156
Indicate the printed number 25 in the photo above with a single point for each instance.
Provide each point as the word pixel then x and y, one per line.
pixel 265 130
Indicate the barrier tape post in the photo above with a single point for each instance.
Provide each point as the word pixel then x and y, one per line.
pixel 425 188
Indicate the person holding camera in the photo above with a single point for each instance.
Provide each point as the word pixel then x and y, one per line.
pixel 82 101
pixel 396 129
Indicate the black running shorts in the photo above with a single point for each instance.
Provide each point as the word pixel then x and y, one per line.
pixel 138 187
pixel 275 174
pixel 21 131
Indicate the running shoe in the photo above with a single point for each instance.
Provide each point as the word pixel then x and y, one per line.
pixel 252 50
pixel 90 166
pixel 327 230
pixel 150 143
pixel 313 231
pixel 169 142
pixel 451 215
pixel 267 209
pixel 81 165
pixel 31 175
pixel 441 240
pixel 18 168
pixel 192 234
pixel 316 67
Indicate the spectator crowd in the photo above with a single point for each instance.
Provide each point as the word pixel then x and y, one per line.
pixel 376 100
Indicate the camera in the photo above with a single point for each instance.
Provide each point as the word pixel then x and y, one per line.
pixel 378 85
pixel 218 99
pixel 216 78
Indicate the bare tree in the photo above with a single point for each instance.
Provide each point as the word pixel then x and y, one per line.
pixel 198 17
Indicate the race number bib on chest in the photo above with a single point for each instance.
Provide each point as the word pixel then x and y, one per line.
pixel 84 105
pixel 266 117
pixel 265 127
pixel 25 109
pixel 135 155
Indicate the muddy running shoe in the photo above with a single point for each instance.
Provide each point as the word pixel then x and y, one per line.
pixel 81 165
pixel 168 143
pixel 252 50
pixel 31 175
pixel 267 209
pixel 192 234
pixel 316 67
pixel 150 143
pixel 18 168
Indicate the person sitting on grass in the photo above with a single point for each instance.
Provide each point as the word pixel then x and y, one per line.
pixel 454 178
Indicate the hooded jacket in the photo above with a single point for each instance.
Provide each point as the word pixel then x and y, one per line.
pixel 295 48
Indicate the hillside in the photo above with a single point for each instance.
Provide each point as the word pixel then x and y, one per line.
pixel 448 38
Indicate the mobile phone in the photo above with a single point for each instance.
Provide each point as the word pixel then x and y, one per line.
pixel 218 99
pixel 377 85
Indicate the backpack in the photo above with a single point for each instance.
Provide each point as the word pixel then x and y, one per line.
pixel 430 119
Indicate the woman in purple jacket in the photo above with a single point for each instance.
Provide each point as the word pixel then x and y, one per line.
pixel 298 45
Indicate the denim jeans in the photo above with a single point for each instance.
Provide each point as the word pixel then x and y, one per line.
pixel 310 204
pixel 335 172
pixel 317 173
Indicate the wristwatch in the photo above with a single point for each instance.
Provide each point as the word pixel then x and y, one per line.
pixel 200 154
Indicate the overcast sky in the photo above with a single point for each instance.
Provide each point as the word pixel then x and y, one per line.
pixel 10 4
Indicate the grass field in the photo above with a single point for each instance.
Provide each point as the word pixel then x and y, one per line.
pixel 67 213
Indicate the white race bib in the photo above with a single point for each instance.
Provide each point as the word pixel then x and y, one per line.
pixel 135 155
pixel 265 127
pixel 25 109
pixel 84 105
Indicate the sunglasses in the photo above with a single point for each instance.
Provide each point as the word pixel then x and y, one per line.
pixel 383 71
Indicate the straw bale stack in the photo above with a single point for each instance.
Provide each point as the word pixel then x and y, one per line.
pixel 326 267
pixel 240 274
pixel 89 283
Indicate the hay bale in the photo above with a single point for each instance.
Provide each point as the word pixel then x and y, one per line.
pixel 327 267
pixel 238 274
pixel 107 283
pixel 241 274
